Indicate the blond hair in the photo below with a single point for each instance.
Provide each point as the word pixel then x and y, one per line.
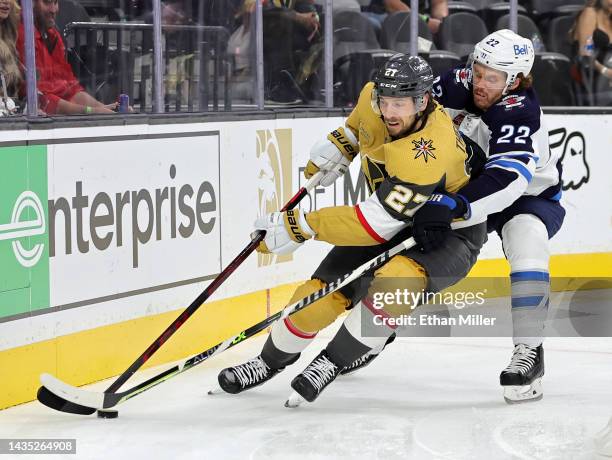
pixel 9 62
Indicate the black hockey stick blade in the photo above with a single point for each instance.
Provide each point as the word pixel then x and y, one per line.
pixel 58 403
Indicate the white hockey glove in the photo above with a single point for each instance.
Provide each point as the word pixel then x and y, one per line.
pixel 332 155
pixel 285 231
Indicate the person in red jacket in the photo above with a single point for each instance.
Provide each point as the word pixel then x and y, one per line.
pixel 59 92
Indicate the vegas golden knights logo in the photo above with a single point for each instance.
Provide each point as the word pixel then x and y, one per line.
pixel 274 167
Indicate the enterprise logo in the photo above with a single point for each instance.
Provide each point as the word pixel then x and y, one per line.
pixel 23 228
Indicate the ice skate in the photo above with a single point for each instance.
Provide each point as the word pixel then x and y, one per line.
pixel 366 359
pixel 245 376
pixel 522 379
pixel 312 381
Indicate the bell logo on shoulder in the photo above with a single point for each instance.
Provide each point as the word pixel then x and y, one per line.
pixel 521 50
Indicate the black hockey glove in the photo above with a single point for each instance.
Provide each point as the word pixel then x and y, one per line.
pixel 431 223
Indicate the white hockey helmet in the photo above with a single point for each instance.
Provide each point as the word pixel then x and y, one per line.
pixel 506 51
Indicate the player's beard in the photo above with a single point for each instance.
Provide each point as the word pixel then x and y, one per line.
pixel 402 126
pixel 482 99
pixel 394 126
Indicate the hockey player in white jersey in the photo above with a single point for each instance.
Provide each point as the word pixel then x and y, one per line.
pixel 492 102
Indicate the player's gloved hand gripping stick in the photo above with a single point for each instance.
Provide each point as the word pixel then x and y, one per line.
pixel 66 398
pixel 256 238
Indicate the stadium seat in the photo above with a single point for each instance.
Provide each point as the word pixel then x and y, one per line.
pixel 551 80
pixel 460 32
pixel 558 39
pixel 526 28
pixel 480 4
pixel 547 10
pixel 494 11
pixel 70 11
pixel 354 70
pixel 603 88
pixel 461 6
pixel 353 32
pixel 548 7
pixel 442 60
pixel 395 33
pixel 357 54
pixel 567 10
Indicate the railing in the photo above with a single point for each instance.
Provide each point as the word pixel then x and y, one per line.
pixel 198 75
pixel 117 57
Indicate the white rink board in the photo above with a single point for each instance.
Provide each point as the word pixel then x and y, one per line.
pixel 151 238
pixel 241 163
pixel 586 141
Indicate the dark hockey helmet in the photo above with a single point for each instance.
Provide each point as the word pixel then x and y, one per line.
pixel 404 76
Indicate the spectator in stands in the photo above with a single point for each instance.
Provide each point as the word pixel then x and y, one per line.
pixel 172 13
pixel 58 89
pixel 292 36
pixel 592 32
pixel 9 62
pixel 433 12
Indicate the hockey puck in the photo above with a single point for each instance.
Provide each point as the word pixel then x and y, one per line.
pixel 108 414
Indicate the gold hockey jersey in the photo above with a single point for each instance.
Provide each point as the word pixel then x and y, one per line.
pixel 401 174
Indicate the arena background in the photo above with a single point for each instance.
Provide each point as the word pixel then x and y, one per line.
pixel 107 231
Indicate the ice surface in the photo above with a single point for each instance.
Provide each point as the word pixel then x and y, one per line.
pixel 423 398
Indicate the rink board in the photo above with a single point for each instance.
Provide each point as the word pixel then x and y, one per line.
pixel 105 232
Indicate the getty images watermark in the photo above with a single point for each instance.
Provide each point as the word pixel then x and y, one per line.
pixel 391 303
pixel 488 307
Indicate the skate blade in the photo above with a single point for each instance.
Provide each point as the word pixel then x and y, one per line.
pixel 603 440
pixel 294 400
pixel 524 393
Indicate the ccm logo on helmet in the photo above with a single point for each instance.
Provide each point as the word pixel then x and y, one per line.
pixel 521 50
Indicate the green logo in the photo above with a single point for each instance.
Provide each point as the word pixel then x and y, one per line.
pixel 24 230
pixel 17 229
pixel 240 338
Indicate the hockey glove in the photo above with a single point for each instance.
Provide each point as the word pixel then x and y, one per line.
pixel 285 231
pixel 431 223
pixel 332 155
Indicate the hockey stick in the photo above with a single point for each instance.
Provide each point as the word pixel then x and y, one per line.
pixel 256 238
pixel 66 398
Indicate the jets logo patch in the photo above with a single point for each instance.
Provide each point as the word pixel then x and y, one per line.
pixel 423 148
pixel 511 101
pixel 463 76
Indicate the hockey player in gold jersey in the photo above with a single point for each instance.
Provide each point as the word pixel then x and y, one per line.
pixel 409 150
